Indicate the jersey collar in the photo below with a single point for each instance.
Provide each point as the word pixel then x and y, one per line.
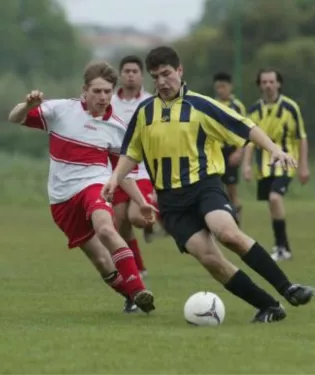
pixel 107 115
pixel 120 94
pixel 182 91
pixel 279 98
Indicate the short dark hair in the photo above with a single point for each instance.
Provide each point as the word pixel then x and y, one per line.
pixel 100 69
pixel 222 76
pixel 162 56
pixel 131 59
pixel 266 70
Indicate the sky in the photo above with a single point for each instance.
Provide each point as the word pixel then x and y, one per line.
pixel 177 15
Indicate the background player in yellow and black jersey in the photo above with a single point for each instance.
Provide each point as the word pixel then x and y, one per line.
pixel 280 117
pixel 223 88
pixel 178 133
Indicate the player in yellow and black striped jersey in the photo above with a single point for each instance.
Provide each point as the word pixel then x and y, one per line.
pixel 178 133
pixel 280 117
pixel 223 88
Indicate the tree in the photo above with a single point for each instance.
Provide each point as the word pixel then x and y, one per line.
pixel 36 37
pixel 278 34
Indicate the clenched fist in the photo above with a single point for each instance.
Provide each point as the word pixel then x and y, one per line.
pixel 34 99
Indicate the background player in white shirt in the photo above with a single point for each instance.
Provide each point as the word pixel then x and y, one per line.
pixel 125 102
pixel 83 136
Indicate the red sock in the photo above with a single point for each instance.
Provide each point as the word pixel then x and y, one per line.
pixel 126 266
pixel 134 247
pixel 116 282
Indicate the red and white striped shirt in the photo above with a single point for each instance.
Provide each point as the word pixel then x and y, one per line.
pixel 125 109
pixel 80 145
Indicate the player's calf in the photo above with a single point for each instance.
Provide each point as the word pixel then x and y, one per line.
pixel 122 256
pixel 255 256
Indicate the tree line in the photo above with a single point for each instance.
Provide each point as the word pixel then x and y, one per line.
pixel 40 48
pixel 243 36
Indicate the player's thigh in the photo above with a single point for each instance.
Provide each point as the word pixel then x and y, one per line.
pixel 182 226
pixel 280 185
pixel 121 215
pixel 264 188
pixel 219 216
pixel 97 210
pixel 212 197
pixel 98 254
pixel 146 188
pixel 203 244
pixel 120 196
pixel 70 217
pixel 231 191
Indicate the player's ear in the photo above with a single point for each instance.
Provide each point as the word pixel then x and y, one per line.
pixel 180 70
pixel 85 88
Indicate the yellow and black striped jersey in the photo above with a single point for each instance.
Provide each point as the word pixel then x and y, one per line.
pixel 180 141
pixel 283 123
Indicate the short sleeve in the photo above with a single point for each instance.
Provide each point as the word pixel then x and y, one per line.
pixel 300 127
pixel 222 123
pixel 132 145
pixel 43 117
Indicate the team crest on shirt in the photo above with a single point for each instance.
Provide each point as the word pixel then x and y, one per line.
pixel 165 119
pixel 90 126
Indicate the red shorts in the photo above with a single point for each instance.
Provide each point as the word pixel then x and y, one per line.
pixel 73 217
pixel 145 187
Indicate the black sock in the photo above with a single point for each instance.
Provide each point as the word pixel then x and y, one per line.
pixel 243 287
pixel 260 261
pixel 280 233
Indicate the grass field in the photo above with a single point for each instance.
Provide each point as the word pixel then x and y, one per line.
pixel 57 317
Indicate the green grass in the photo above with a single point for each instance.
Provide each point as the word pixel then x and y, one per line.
pixel 57 317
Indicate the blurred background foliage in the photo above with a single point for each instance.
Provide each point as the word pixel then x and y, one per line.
pixel 41 49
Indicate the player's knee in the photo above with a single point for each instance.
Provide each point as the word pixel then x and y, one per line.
pixel 136 220
pixel 103 263
pixel 106 232
pixel 274 198
pixel 233 239
pixel 210 261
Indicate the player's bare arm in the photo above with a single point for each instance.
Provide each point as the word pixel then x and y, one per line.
pixel 303 168
pixel 236 157
pixel 19 112
pixel 124 166
pixel 260 139
pixel 131 188
pixel 247 163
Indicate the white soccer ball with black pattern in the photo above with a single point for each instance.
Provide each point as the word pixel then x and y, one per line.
pixel 204 309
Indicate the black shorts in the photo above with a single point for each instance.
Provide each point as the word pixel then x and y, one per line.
pixel 183 210
pixel 268 185
pixel 231 173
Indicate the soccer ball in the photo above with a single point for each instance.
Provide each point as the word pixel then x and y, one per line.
pixel 204 309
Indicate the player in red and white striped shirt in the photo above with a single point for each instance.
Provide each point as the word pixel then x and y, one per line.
pixel 83 137
pixel 125 102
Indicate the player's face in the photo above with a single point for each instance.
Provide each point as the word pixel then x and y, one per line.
pixel 167 81
pixel 223 90
pixel 131 76
pixel 98 94
pixel 269 84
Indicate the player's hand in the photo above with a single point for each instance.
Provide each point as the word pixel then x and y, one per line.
pixel 235 158
pixel 108 190
pixel 247 173
pixel 153 198
pixel 148 212
pixel 34 99
pixel 282 159
pixel 303 174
